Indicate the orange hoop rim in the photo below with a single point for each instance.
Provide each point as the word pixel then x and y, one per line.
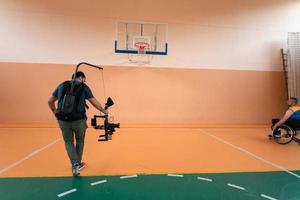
pixel 142 45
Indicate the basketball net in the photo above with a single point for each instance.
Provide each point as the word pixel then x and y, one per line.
pixel 141 58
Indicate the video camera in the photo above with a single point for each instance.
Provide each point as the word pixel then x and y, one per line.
pixel 109 128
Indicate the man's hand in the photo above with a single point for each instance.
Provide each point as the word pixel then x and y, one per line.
pixel 287 115
pixel 105 112
pixel 97 105
pixel 51 103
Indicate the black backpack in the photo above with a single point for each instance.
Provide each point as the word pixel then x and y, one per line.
pixel 69 110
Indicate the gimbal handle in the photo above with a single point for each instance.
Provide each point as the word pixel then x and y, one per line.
pixel 82 63
pixel 85 63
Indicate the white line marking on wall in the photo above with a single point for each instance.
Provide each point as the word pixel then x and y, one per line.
pixel 250 153
pixel 98 182
pixel 30 155
pixel 67 192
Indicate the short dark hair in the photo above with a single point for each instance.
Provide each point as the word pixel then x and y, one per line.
pixel 294 99
pixel 78 74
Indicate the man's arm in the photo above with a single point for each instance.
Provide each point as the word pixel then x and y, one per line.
pixel 51 103
pixel 97 105
pixel 287 115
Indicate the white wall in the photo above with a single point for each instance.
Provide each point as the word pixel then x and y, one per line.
pixel 222 34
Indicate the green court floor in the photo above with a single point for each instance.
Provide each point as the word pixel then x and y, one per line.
pixel 227 186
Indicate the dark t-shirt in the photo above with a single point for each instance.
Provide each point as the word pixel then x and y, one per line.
pixel 87 93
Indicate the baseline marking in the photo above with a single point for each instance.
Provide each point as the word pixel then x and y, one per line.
pixel 204 179
pixel 176 175
pixel 249 153
pixel 267 197
pixel 236 186
pixel 30 155
pixel 98 182
pixel 124 177
pixel 67 192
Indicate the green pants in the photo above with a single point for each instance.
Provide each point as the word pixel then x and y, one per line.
pixel 69 131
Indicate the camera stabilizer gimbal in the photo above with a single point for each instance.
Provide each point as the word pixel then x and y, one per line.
pixel 109 128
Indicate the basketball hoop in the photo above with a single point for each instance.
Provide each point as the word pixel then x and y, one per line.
pixel 141 46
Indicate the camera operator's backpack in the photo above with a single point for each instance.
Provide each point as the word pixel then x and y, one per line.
pixel 69 111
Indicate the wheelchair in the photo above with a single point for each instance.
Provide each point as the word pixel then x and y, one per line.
pixel 285 134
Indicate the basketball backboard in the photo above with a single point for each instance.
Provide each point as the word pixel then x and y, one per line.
pixel 137 37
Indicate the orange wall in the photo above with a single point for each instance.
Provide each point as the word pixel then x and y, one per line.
pixel 148 95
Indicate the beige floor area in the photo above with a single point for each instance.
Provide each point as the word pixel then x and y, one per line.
pixel 30 152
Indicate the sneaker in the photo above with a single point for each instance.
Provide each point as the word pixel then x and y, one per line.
pixel 75 169
pixel 82 165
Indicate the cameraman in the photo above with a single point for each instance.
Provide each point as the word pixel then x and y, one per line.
pixel 74 125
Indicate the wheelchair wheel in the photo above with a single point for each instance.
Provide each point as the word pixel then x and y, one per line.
pixel 283 134
pixel 297 135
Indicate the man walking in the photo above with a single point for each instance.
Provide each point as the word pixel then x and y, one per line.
pixel 74 124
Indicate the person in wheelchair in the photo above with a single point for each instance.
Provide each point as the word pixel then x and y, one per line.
pixel 290 118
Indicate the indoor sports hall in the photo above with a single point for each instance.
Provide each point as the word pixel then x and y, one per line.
pixel 187 91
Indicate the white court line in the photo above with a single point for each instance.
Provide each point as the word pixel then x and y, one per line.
pixel 236 186
pixel 204 179
pixel 98 182
pixel 124 177
pixel 250 153
pixel 29 155
pixel 67 192
pixel 176 175
pixel 267 197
